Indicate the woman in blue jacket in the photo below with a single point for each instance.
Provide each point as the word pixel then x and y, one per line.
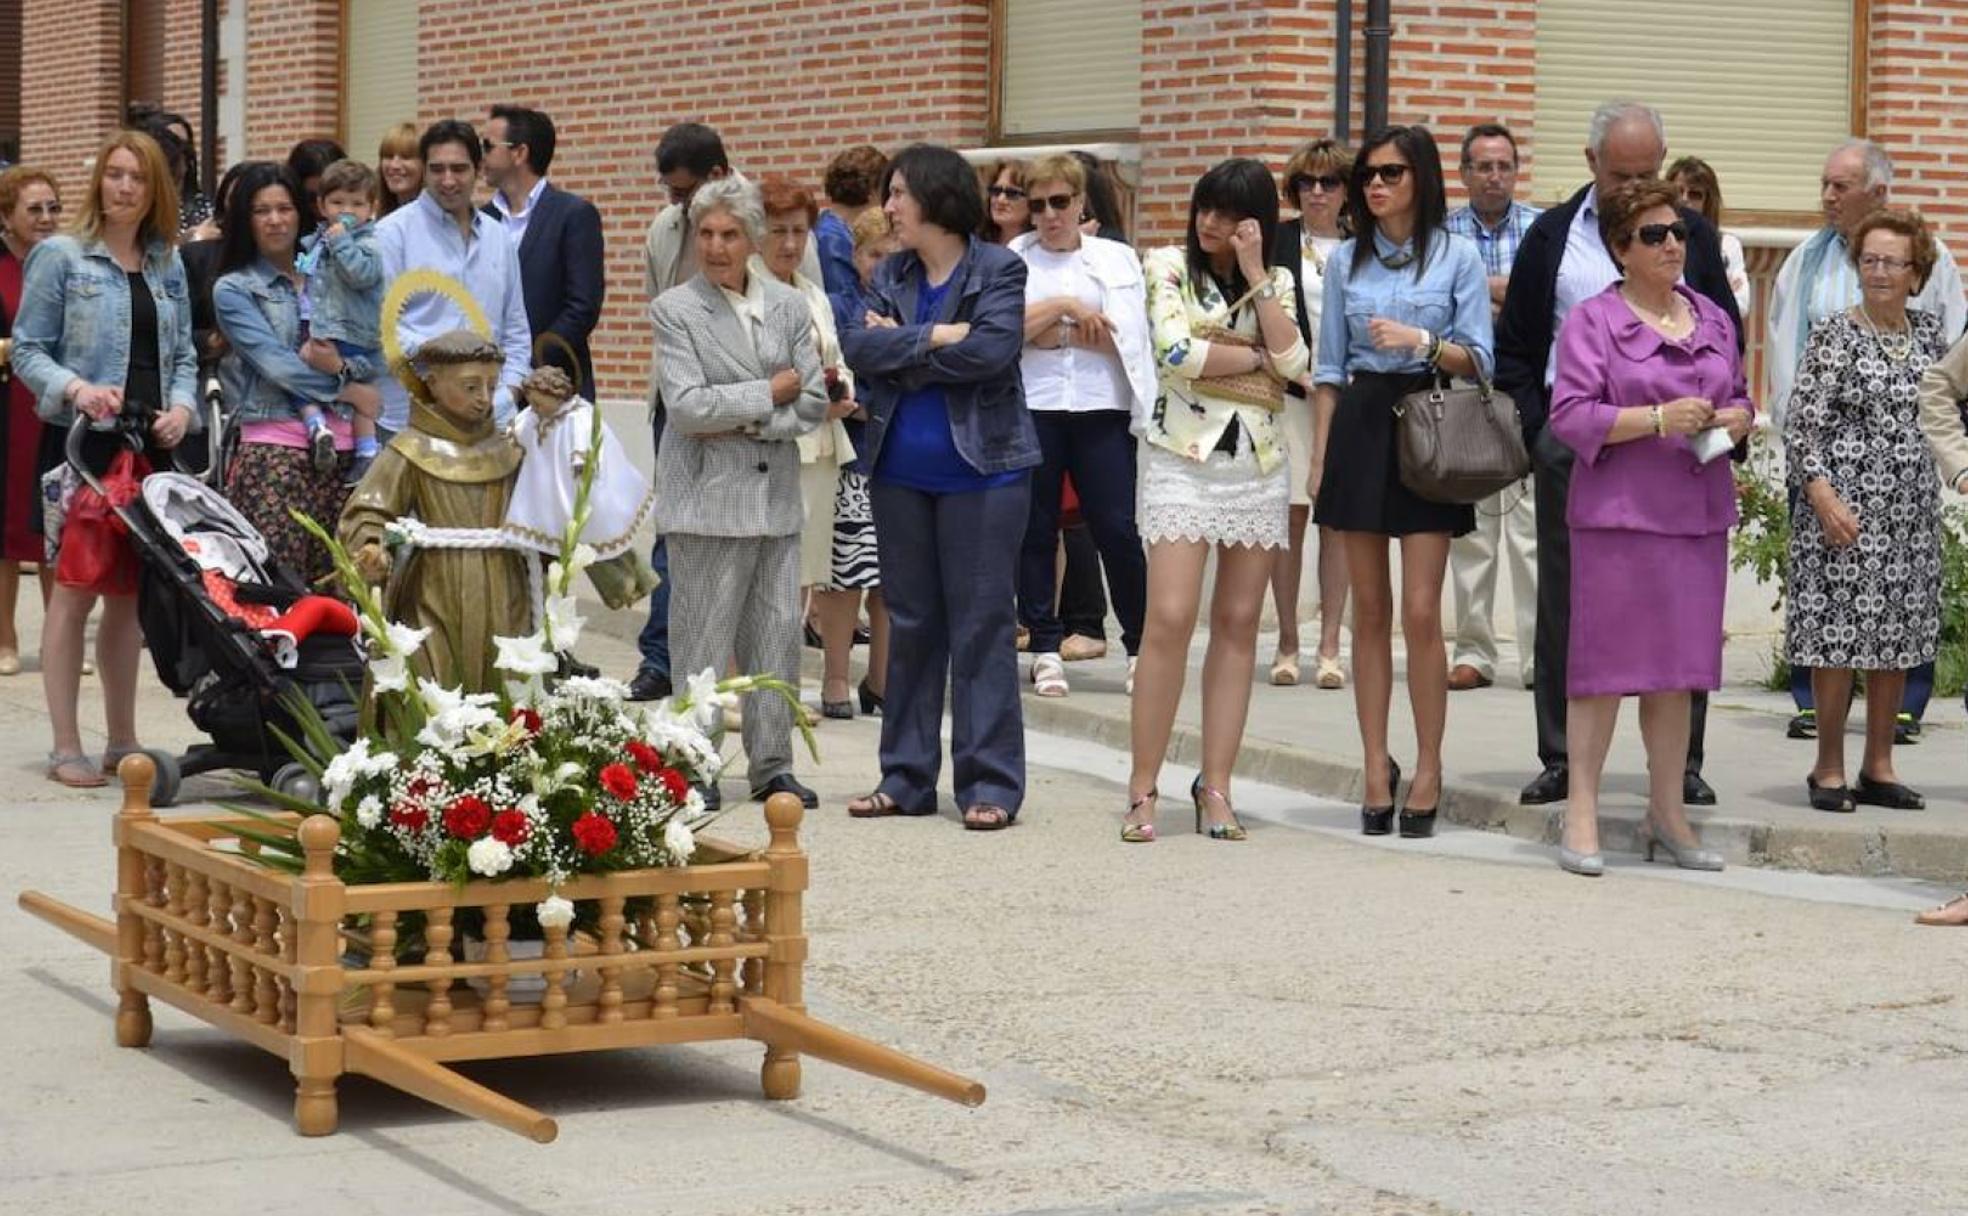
pixel 950 449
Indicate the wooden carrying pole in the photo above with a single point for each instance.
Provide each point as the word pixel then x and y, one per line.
pixel 373 1055
pixel 71 920
pixel 779 1027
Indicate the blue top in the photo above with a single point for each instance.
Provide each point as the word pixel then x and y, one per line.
pixel 920 452
pixel 344 296
pixel 836 246
pixel 1451 298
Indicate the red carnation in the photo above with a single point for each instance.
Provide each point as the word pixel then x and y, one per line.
pixel 675 784
pixel 647 758
pixel 594 833
pixel 420 786
pixel 467 818
pixel 511 827
pixel 409 815
pixel 528 718
pixel 618 780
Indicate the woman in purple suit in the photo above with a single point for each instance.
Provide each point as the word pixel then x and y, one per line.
pixel 1650 395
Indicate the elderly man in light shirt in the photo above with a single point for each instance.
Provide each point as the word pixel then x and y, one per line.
pixel 444 231
pixel 1815 281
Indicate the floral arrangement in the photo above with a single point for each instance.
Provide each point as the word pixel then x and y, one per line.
pixel 550 778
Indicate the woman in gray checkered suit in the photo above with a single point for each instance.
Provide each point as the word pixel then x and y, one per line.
pixel 741 381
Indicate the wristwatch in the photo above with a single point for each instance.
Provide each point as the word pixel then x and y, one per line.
pixel 1269 291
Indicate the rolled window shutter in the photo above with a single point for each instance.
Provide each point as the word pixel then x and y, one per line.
pixel 144 50
pixel 379 73
pixel 1760 89
pixel 1071 65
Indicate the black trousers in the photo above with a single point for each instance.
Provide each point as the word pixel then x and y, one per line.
pixel 1551 473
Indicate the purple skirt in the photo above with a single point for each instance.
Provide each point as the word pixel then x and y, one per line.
pixel 1646 612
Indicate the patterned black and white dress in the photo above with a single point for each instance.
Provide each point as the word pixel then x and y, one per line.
pixel 855 567
pixel 1853 419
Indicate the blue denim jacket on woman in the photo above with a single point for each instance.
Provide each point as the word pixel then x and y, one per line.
pixel 259 312
pixel 74 324
pixel 979 376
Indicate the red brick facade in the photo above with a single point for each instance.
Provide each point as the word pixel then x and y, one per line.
pixel 790 81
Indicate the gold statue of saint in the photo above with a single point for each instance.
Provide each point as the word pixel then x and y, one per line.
pixel 452 469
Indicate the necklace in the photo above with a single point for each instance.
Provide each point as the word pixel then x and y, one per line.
pixel 1896 344
pixel 1658 318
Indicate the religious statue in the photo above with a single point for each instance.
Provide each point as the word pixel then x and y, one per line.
pixel 426 520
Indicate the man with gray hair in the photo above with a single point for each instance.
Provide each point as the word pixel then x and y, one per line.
pixel 1562 262
pixel 1815 281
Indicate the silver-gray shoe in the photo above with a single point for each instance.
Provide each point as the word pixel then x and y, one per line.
pixel 1689 857
pixel 1590 865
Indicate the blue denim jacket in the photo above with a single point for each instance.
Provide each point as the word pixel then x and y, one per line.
pixel 345 291
pixel 74 324
pixel 259 312
pixel 986 396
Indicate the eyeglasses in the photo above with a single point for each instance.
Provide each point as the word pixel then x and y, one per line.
pixel 44 210
pixel 1490 168
pixel 1329 182
pixel 1055 202
pixel 1010 192
pixel 1656 234
pixel 1389 174
pixel 487 143
pixel 1879 261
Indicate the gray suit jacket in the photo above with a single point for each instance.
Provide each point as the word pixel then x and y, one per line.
pixel 729 464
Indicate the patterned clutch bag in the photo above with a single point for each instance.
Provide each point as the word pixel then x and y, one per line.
pixel 1262 388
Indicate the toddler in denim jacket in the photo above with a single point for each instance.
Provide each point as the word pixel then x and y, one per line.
pixel 341 304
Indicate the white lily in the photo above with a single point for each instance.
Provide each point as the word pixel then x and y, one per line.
pixel 390 673
pixel 564 621
pixel 526 656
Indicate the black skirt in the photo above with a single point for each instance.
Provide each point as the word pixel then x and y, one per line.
pixel 1360 489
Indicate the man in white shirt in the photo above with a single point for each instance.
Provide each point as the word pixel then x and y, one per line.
pixel 443 230
pixel 1815 281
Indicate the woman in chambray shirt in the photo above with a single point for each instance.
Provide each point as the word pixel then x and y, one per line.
pixel 105 331
pixel 258 303
pixel 1405 300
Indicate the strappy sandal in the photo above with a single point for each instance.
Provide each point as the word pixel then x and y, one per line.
pixel 879 805
pixel 986 817
pixel 1953 912
pixel 75 770
pixel 1331 674
pixel 1141 833
pixel 1284 670
pixel 1049 676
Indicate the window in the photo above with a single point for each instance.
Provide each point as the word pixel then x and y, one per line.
pixel 1761 89
pixel 1067 67
pixel 379 72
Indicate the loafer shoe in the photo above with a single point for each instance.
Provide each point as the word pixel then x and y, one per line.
pixel 786 783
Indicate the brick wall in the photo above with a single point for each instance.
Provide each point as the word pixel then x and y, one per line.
pixel 71 83
pixel 1918 91
pixel 293 73
pixel 787 83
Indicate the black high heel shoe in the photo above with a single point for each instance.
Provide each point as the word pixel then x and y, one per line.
pixel 1379 820
pixel 870 703
pixel 1418 825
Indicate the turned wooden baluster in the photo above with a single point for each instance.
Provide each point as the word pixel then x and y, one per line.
pixel 437 939
pixel 609 1003
pixel 266 996
pixel 785 934
pixel 242 964
pixel 289 930
pixel 382 957
pixel 753 930
pixel 667 919
pixel 198 911
pixel 498 932
pixel 218 964
pixel 153 937
pixel 174 941
pixel 723 921
pixel 139 881
pixel 553 1005
pixel 316 1057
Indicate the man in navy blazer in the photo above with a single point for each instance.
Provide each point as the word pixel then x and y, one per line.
pixel 558 234
pixel 1561 261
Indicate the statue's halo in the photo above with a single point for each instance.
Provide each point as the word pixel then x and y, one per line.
pixel 406 287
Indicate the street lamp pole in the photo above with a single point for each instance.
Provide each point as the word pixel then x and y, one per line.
pixel 1380 32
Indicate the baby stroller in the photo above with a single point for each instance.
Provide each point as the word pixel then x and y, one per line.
pixel 206 584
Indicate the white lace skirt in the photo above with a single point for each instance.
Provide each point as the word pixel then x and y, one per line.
pixel 1224 500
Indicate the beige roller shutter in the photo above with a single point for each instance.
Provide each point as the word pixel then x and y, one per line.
pixel 1758 88
pixel 1071 65
pixel 379 72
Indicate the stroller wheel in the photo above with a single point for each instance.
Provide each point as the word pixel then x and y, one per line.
pixel 165 784
pixel 294 781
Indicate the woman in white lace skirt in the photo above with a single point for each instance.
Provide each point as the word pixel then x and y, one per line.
pixel 1213 476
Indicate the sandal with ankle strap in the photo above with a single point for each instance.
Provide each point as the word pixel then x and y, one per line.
pixel 1953 912
pixel 75 770
pixel 1217 831
pixel 1140 833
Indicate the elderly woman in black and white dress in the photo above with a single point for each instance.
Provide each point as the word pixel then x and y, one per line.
pixel 741 381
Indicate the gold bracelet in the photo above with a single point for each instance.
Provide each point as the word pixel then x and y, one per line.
pixel 1660 422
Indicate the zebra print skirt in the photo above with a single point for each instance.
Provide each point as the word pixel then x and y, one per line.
pixel 854 564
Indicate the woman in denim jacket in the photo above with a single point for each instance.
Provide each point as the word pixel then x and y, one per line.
pixel 257 302
pixel 105 331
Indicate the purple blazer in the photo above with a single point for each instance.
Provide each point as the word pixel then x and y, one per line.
pixel 1609 359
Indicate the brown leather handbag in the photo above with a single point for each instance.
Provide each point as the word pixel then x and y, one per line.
pixel 1459 443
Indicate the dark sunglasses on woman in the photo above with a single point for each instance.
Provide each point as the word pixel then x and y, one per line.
pixel 1055 202
pixel 1654 234
pixel 1011 192
pixel 1329 182
pixel 1389 174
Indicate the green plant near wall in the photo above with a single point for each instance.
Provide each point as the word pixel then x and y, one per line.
pixel 1761 545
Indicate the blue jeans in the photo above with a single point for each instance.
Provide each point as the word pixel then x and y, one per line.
pixel 1097 449
pixel 654 640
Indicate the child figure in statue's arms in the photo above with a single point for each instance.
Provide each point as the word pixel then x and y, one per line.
pixel 341 306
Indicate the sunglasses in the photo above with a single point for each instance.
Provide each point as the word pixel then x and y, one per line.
pixel 1055 202
pixel 1325 181
pixel 1389 174
pixel 488 143
pixel 1656 234
pixel 1011 192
